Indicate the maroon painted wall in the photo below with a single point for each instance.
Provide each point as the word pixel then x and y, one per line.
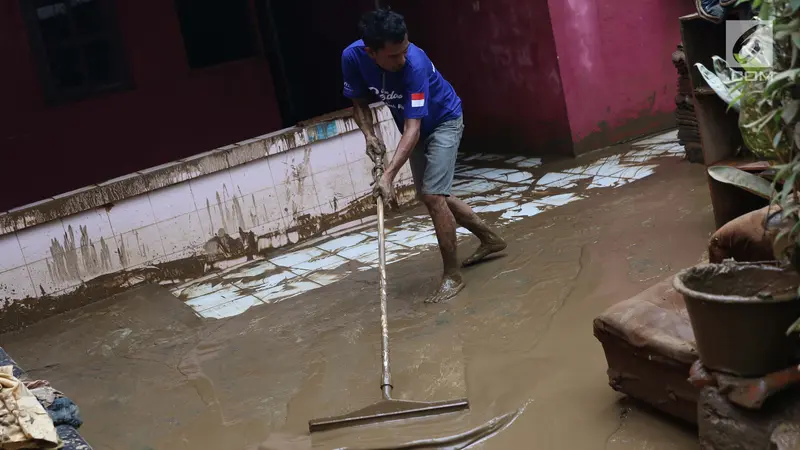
pixel 616 66
pixel 500 56
pixel 172 111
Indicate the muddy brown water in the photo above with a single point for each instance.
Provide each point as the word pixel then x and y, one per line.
pixel 148 374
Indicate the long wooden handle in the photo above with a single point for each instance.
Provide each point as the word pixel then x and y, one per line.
pixel 386 379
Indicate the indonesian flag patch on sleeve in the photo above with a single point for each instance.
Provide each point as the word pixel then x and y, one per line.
pixel 418 100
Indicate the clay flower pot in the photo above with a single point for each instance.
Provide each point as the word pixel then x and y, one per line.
pixel 740 313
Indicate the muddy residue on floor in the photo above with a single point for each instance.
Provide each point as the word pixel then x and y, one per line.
pixel 517 342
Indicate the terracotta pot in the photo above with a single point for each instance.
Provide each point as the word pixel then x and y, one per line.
pixel 740 313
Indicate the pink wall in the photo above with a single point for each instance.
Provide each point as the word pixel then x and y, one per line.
pixel 615 64
pixel 172 111
pixel 500 56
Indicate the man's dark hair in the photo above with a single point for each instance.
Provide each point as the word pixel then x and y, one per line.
pixel 381 26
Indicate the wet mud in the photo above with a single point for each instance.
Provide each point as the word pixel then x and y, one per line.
pixel 751 282
pixel 147 373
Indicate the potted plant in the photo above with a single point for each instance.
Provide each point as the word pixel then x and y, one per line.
pixel 740 312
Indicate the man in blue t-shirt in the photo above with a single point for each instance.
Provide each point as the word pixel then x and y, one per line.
pixel 384 66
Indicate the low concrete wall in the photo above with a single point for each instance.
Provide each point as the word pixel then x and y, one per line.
pixel 185 218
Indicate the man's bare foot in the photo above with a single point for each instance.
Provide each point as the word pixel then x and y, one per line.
pixel 450 287
pixel 494 244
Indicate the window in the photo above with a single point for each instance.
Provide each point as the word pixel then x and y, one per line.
pixel 77 46
pixel 216 31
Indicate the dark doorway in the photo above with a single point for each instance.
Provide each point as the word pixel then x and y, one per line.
pixel 304 41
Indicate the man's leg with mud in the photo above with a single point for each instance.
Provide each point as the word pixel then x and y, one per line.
pixel 491 242
pixel 445 225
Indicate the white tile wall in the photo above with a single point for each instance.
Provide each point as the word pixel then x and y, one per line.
pixel 141 245
pixel 361 174
pixel 16 284
pixel 172 201
pixel 328 154
pixel 130 214
pixel 251 177
pixel 181 233
pixel 268 228
pixel 176 221
pixel 93 223
pixel 291 165
pixel 297 196
pixel 334 187
pixel 211 189
pixel 46 278
pixel 36 242
pixel 354 146
pixel 220 217
pixel 261 207
pixel 11 252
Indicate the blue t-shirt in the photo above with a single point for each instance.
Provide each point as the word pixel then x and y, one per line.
pixel 417 92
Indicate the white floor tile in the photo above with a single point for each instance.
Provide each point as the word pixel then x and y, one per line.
pixel 321 263
pixel 494 207
pixel 298 257
pixel 559 200
pixel 225 295
pixel 606 182
pixel 637 172
pixel 231 309
pixel 284 291
pixel 523 211
pixel 269 281
pixel 336 245
pixel 530 163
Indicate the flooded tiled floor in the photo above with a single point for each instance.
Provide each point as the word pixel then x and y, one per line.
pixel 296 336
pixel 514 188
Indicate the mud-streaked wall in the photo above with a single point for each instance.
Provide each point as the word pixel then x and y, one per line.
pixel 171 112
pixel 257 195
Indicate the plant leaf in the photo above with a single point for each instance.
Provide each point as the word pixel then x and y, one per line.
pixel 788 185
pixel 796 325
pixel 783 233
pixel 791 210
pixel 786 75
pixel 790 111
pixel 777 139
pixel 797 134
pixel 765 11
pixel 791 26
pixel 744 180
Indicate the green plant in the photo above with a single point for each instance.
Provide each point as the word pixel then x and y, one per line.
pixel 769 118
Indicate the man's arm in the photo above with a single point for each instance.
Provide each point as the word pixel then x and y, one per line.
pixel 415 109
pixel 355 89
pixel 363 116
pixel 411 133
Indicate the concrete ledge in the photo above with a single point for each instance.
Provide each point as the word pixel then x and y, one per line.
pixel 189 217
pixel 147 180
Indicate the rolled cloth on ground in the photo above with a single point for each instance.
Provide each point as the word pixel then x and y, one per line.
pixel 24 423
pixel 744 239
